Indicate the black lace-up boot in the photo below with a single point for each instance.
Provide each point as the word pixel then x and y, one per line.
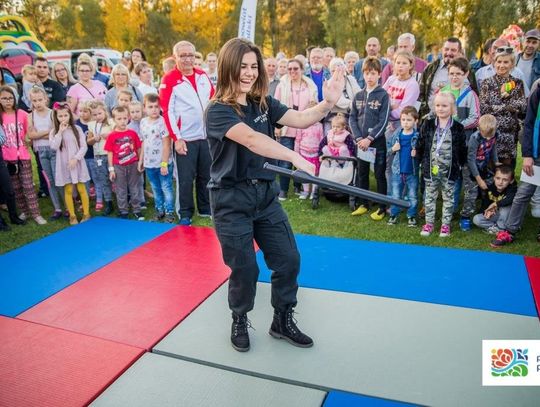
pixel 239 332
pixel 284 327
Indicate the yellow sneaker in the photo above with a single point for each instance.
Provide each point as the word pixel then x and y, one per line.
pixel 378 215
pixel 359 211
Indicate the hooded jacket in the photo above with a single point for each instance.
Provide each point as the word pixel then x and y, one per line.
pixel 369 116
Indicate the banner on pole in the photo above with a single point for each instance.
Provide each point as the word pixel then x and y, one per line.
pixel 246 25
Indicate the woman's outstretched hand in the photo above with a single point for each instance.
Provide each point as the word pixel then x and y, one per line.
pixel 333 88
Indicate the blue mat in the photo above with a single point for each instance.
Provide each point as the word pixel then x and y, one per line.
pixel 36 271
pixel 338 398
pixel 465 278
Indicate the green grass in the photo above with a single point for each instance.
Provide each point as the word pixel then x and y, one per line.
pixel 330 219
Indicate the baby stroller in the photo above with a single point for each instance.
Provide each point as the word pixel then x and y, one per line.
pixel 338 169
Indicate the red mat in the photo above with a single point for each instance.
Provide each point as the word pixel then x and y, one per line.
pixel 533 267
pixel 43 366
pixel 140 297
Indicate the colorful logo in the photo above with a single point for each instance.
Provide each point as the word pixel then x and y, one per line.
pixel 509 362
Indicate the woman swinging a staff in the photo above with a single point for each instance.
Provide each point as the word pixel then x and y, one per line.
pixel 240 126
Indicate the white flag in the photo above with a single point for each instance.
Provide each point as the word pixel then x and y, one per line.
pixel 246 25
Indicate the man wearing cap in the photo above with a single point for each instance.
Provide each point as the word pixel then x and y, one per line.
pixel 528 61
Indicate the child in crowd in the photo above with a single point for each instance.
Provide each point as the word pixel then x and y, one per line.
pixel 135 115
pixel 404 165
pixel 98 131
pixel 307 144
pixel 368 120
pixel 135 109
pixel 40 124
pixel 6 190
pixel 467 102
pixel 467 108
pixel 29 80
pixel 70 145
pixel 168 64
pixel 481 159
pixel 17 156
pixel 85 116
pixel 497 201
pixel 402 88
pixel 124 98
pixel 123 148
pixel 442 151
pixel 156 158
pixel 336 138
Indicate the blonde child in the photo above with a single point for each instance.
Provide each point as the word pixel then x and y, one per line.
pixel 442 151
pixel 40 124
pixel 337 138
pixel 98 131
pixel 481 161
pixel 402 88
pixel 85 116
pixel 123 148
pixel 68 141
pixel 135 115
pixel 135 110
pixel 29 80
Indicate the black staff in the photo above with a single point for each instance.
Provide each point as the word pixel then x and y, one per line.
pixel 305 178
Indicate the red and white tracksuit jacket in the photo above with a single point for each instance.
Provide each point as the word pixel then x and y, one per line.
pixel 183 106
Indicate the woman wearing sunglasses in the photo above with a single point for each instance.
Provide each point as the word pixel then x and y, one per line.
pixel 503 96
pixel 298 92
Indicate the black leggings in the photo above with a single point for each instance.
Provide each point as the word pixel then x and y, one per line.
pixel 7 194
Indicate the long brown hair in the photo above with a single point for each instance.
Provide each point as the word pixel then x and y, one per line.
pixel 63 106
pixel 229 67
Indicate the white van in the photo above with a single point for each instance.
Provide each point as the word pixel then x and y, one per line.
pixel 106 58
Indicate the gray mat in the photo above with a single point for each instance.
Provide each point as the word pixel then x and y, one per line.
pixel 156 380
pixel 400 350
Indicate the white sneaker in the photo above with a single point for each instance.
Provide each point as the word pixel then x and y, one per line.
pixel 304 195
pixel 39 220
pixel 22 216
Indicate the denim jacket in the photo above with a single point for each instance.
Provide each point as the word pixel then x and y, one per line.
pixel 396 165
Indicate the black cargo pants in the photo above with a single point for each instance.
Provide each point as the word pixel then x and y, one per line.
pixel 250 210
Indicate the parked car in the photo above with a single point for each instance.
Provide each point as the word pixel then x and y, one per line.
pixel 106 59
pixel 15 58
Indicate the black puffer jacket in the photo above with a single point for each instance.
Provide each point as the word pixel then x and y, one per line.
pixel 425 141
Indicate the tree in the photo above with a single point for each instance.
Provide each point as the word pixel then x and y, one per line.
pixel 92 25
pixel 160 37
pixel 114 19
pixel 40 15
